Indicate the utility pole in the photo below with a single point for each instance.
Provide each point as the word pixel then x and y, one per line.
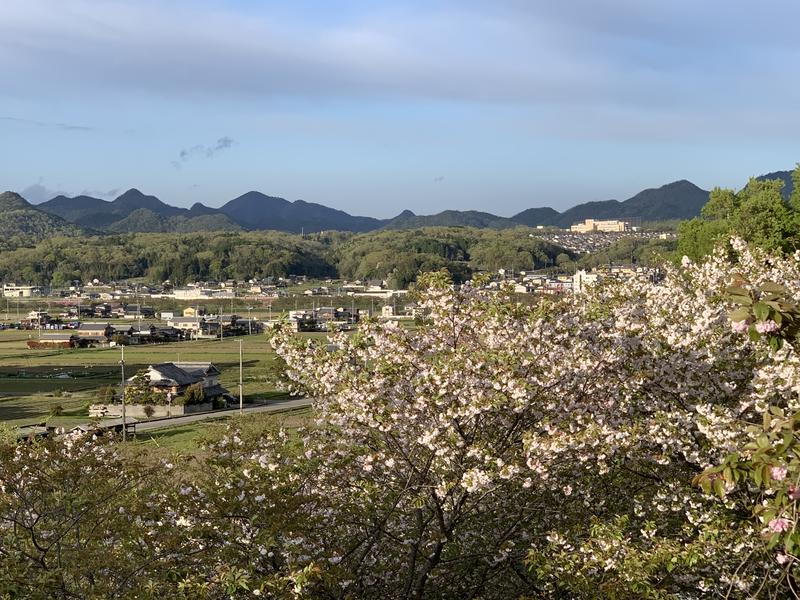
pixel 249 321
pixel 124 421
pixel 241 396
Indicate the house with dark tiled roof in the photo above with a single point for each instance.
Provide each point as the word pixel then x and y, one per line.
pixel 175 378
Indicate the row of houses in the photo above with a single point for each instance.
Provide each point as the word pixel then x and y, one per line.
pixel 210 326
pixel 101 334
pixel 537 283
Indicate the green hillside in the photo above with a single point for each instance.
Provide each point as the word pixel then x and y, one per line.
pixel 22 225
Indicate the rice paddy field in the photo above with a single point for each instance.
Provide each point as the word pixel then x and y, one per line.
pixel 57 386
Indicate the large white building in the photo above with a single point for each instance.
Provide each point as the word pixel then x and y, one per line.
pixel 13 290
pixel 592 226
pixel 196 293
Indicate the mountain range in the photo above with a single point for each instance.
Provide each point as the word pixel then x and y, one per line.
pixel 135 211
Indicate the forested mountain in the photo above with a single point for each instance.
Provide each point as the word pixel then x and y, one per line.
pixel 21 224
pixel 785 177
pixel 145 220
pixel 99 214
pixel 134 211
pixel 255 210
pixel 677 200
pixel 537 216
pixel 12 201
pixel 450 218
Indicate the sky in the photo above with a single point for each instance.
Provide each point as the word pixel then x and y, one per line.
pixel 374 107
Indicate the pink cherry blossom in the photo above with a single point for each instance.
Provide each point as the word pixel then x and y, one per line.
pixel 778 473
pixel 778 525
pixel 768 326
pixel 739 326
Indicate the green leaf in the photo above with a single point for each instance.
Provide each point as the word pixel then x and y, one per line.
pixel 740 314
pixel 739 294
pixel 761 311
pixel 770 287
pixel 765 475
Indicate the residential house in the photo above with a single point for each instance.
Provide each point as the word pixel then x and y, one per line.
pixel 195 326
pixel 135 311
pixel 167 334
pixel 193 311
pixel 35 319
pixel 95 333
pixel 175 378
pixel 102 310
pixel 58 339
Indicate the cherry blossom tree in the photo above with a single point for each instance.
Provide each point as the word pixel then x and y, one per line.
pixel 634 441
pixel 509 449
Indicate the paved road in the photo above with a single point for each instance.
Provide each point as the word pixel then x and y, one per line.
pixel 273 406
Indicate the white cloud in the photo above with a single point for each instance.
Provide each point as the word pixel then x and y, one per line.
pixel 568 63
pixel 38 193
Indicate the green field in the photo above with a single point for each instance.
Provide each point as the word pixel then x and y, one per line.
pixel 187 438
pixel 35 382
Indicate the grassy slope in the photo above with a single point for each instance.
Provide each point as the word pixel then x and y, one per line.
pixel 187 438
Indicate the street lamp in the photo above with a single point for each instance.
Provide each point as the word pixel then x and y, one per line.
pixel 241 395
pixel 122 368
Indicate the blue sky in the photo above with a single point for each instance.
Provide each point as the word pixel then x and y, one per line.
pixel 373 107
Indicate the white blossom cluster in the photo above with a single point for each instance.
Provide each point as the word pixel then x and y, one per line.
pixel 534 421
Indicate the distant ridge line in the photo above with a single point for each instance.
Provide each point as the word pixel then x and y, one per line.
pixel 134 211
